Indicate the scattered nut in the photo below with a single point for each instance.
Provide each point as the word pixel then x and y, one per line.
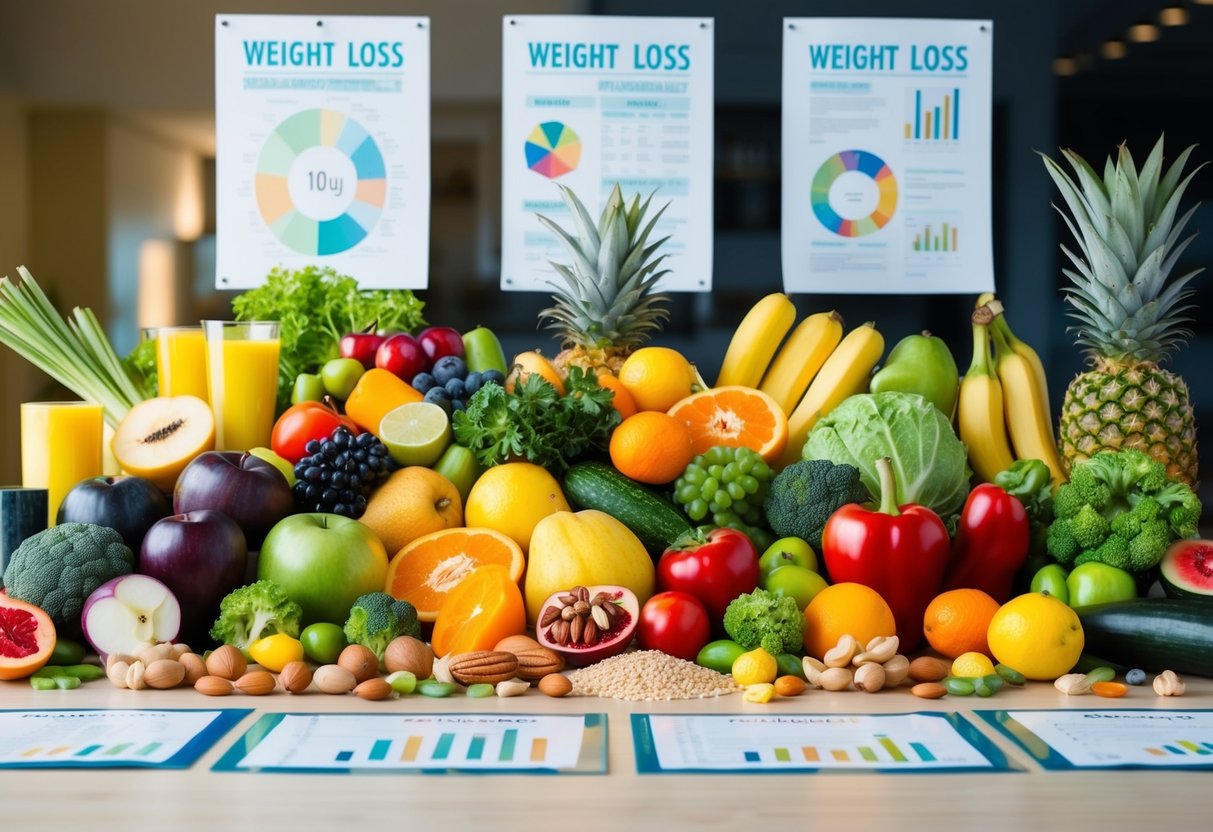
pixel 929 690
pixel 134 676
pixel 513 687
pixel 929 669
pixel 361 661
pixel 114 658
pixel 163 674
pixel 295 677
pixel 516 644
pixel 178 650
pixel 842 653
pixel 895 671
pixel 1073 684
pixel 442 670
pixel 836 678
pixel 195 668
pixel 555 685
pixel 411 654
pixel 879 650
pixel 116 671
pixel 373 690
pixel 334 679
pixel 869 677
pixel 154 653
pixel 812 671
pixel 789 686
pixel 226 662
pixel 536 662
pixel 213 686
pixel 483 666
pixel 1168 683
pixel 256 683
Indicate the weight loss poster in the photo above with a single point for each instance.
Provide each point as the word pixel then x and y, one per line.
pixel 588 102
pixel 323 158
pixel 886 156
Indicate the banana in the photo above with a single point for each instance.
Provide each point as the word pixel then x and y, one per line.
pixel 755 341
pixel 1022 349
pixel 806 350
pixel 1026 404
pixel 979 412
pixel 844 374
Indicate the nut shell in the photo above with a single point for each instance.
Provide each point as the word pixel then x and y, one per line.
pixel 373 690
pixel 295 677
pixel 411 654
pixel 483 666
pixel 360 661
pixel 195 668
pixel 213 686
pixel 256 683
pixel 226 662
pixel 334 679
pixel 555 685
pixel 163 674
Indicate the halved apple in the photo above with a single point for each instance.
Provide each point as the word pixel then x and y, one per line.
pixel 129 612
pixel 160 436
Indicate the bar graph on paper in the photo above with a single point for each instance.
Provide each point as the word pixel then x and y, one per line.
pixel 941 237
pixel 932 115
pixel 1100 739
pixel 98 737
pixel 439 741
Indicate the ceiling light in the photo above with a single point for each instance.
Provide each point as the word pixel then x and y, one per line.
pixel 1143 32
pixel 1065 66
pixel 1173 16
pixel 1113 50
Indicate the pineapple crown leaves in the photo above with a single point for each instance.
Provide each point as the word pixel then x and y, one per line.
pixel 613 273
pixel 1129 242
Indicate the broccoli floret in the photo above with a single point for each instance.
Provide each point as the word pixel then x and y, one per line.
pixel 763 619
pixel 255 611
pixel 1120 509
pixel 806 493
pixel 59 568
pixel 376 618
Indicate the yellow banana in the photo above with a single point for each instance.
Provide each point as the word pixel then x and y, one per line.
pixel 807 349
pixel 844 374
pixel 983 299
pixel 979 412
pixel 756 340
pixel 1022 349
pixel 1026 405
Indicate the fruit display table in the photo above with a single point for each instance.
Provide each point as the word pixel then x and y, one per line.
pixel 204 800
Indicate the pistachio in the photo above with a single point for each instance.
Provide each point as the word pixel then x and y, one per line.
pixel 836 678
pixel 895 671
pixel 1168 683
pixel 842 653
pixel 879 650
pixel 812 671
pixel 869 677
pixel 1073 684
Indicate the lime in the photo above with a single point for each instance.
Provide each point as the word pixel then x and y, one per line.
pixel 416 433
pixel 972 665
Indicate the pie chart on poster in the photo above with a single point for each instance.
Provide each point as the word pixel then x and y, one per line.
pixel 553 149
pixel 854 193
pixel 321 182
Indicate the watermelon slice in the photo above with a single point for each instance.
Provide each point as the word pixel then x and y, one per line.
pixel 1187 569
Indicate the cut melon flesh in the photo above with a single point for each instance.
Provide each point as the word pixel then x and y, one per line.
pixel 160 436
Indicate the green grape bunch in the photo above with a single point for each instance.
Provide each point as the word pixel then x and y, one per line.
pixel 725 487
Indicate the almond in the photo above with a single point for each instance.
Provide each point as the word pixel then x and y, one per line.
pixel 373 689
pixel 333 679
pixel 489 666
pixel 195 668
pixel 226 662
pixel 536 662
pixel 360 661
pixel 256 683
pixel 929 669
pixel 929 690
pixel 213 686
pixel 411 654
pixel 295 677
pixel 163 674
pixel 516 644
pixel 555 685
pixel 789 686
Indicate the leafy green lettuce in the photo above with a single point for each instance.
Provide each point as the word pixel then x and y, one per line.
pixel 929 461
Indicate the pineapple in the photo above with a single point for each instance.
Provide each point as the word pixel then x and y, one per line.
pixel 608 306
pixel 1130 315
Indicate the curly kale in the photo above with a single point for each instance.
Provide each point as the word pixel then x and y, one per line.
pixel 763 619
pixel 1119 508
pixel 806 493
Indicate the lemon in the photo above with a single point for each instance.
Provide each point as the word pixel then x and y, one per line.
pixel 512 499
pixel 276 652
pixel 416 433
pixel 1036 634
pixel 972 665
pixel 757 667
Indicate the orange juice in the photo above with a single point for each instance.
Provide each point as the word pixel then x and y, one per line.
pixel 60 446
pixel 181 361
pixel 242 369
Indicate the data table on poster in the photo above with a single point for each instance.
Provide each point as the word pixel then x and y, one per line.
pixel 1130 738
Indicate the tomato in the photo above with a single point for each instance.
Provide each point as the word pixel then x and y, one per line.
pixel 676 623
pixel 303 422
pixel 715 569
pixel 323 642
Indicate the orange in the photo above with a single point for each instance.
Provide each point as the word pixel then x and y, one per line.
pixel 956 622
pixel 845 609
pixel 414 501
pixel 651 447
pixel 425 571
pixel 623 401
pixel 512 499
pixel 377 392
pixel 657 377
pixel 526 363
pixel 734 416
pixel 485 608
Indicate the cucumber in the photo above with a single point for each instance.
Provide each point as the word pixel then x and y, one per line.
pixel 1152 633
pixel 657 522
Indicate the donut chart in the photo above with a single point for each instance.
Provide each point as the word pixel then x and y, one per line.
pixel 321 182
pixel 553 149
pixel 861 162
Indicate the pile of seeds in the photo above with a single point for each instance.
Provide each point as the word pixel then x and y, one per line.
pixel 650 675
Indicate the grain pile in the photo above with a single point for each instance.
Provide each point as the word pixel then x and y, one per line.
pixel 650 675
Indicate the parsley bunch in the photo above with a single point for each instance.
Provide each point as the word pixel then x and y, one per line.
pixel 537 424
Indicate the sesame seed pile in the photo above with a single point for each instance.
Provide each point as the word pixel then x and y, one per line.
pixel 650 675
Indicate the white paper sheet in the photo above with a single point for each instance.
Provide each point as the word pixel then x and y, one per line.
pixel 1110 738
pixel 99 737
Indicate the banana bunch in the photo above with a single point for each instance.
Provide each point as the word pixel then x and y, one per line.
pixel 814 370
pixel 1003 411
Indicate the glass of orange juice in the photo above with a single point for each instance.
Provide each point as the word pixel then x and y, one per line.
pixel 180 360
pixel 60 446
pixel 242 379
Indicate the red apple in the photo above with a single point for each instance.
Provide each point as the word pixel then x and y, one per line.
pixel 402 356
pixel 362 346
pixel 246 488
pixel 440 341
pixel 128 505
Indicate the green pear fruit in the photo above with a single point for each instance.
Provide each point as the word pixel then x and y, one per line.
pixel 921 364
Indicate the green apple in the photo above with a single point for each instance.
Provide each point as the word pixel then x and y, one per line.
pixel 308 388
pixel 340 376
pixel 787 551
pixel 1098 583
pixel 1052 579
pixel 796 582
pixel 323 562
pixel 459 465
pixel 278 462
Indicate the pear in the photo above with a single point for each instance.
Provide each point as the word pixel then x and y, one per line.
pixel 921 364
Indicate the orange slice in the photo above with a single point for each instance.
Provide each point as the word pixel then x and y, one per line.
pixel 425 571
pixel 486 607
pixel 736 416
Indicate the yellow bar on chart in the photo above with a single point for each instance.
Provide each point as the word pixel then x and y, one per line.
pixel 411 746
pixel 58 750
pixel 909 131
pixel 927 131
pixel 539 749
pixel 1157 752
pixel 840 755
pixel 31 752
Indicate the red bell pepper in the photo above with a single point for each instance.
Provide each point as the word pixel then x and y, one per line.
pixel 991 543
pixel 901 552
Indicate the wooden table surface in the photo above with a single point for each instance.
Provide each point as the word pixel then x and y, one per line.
pixel 198 799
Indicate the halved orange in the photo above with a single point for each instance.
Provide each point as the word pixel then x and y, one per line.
pixel 426 570
pixel 486 607
pixel 736 416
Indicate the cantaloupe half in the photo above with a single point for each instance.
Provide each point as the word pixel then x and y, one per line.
pixel 160 436
pixel 27 637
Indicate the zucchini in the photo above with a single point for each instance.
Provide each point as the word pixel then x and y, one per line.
pixel 1152 633
pixel 656 521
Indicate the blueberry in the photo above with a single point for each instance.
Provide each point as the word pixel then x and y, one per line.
pixel 1136 676
pixel 449 367
pixel 458 404
pixel 423 382
pixel 312 493
pixel 439 397
pixel 365 440
pixel 455 389
pixel 341 437
pixel 472 383
pixel 495 376
pixel 312 447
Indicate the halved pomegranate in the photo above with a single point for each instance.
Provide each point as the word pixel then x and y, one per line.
pixel 588 624
pixel 27 637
